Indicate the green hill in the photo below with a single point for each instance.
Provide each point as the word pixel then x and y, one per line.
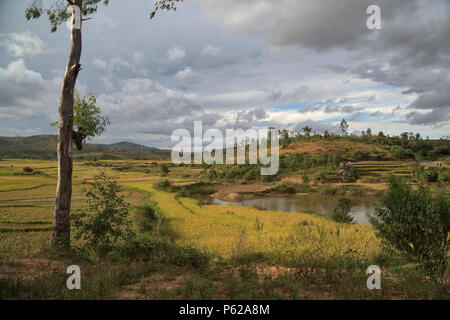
pixel 44 147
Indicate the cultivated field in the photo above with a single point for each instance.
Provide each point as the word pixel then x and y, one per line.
pixel 195 251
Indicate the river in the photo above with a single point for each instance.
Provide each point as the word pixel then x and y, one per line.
pixel 309 203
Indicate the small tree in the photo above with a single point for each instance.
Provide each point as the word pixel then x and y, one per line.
pixel 106 221
pixel 410 222
pixel 344 127
pixel 342 212
pixel 307 130
pixel 164 169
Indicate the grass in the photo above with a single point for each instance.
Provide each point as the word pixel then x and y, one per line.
pixel 230 231
pixel 186 250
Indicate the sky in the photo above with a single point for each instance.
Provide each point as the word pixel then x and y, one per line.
pixel 235 64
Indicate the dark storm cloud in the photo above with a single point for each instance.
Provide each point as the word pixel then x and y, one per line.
pixel 411 51
pixel 154 76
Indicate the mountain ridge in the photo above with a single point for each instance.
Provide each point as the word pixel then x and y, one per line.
pixel 44 147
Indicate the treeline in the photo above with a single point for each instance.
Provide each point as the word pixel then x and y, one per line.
pixel 407 145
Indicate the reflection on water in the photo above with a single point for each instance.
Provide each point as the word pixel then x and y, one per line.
pixel 310 203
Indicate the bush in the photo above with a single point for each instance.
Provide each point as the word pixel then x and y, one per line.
pixel 341 216
pixel 431 175
pixel 361 155
pixel 27 169
pixel 321 176
pixel 305 178
pixel 164 169
pixel 410 222
pixel 195 190
pixel 164 185
pixel 443 177
pixel 342 212
pixel 289 188
pixel 106 221
pixel 147 217
pixel 400 153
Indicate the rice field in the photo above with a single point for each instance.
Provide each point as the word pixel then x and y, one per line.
pixel 379 171
pixel 281 237
pixel 236 239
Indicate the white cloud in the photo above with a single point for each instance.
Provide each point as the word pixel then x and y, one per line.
pixel 185 73
pixel 176 54
pixel 118 63
pixel 22 44
pixel 210 51
pixel 99 63
pixel 23 92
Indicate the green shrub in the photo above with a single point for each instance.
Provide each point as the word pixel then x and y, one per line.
pixel 164 169
pixel 195 190
pixel 289 188
pixel 164 185
pixel 305 178
pixel 27 169
pixel 342 212
pixel 147 217
pixel 361 155
pixel 321 176
pixel 341 216
pixel 106 220
pixel 410 222
pixel 443 177
pixel 431 175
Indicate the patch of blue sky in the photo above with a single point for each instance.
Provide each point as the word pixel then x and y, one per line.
pixel 298 106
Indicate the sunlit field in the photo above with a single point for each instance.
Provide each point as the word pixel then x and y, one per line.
pixel 281 237
pixel 197 251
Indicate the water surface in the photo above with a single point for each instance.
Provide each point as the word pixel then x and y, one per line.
pixel 309 203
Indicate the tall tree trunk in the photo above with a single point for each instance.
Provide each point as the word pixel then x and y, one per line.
pixel 61 222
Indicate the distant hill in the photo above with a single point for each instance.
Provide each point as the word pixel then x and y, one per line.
pixel 345 148
pixel 44 147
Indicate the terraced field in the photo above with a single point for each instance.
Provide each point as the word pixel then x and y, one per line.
pixel 27 200
pixel 380 171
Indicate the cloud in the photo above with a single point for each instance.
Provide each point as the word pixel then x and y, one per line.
pixel 251 115
pixel 134 64
pixel 437 116
pixel 210 51
pixel 24 93
pixel 316 126
pixel 185 73
pixel 412 50
pixel 99 63
pixel 175 54
pixel 287 94
pixel 145 106
pixel 22 44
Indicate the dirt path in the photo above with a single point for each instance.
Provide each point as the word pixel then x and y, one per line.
pixel 433 164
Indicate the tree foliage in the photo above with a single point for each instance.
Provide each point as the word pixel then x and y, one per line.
pixel 57 13
pixel 341 213
pixel 87 118
pixel 344 127
pixel 410 222
pixel 164 5
pixel 106 220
